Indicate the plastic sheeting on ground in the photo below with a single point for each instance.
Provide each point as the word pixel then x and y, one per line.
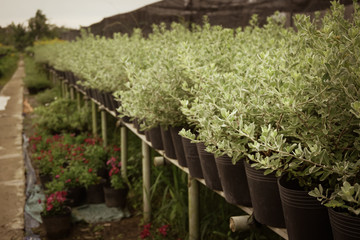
pixel 94 213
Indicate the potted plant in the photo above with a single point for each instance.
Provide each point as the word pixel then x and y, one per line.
pixel 116 189
pixel 69 178
pixel 56 215
pixel 94 186
pixel 159 72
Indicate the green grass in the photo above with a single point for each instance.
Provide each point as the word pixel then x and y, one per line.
pixel 48 96
pixel 8 65
pixel 36 79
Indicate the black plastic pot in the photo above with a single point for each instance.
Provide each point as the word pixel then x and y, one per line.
pixel 115 197
pixel 44 179
pixel 147 135
pixel 305 217
pixel 102 98
pixel 178 145
pixel 233 181
pixel 108 101
pixel 209 169
pixel 265 197
pixel 76 196
pixel 95 194
pixel 57 226
pixel 136 123
pixel 344 226
pixel 168 143
pixel 156 139
pixel 192 158
pixel 126 119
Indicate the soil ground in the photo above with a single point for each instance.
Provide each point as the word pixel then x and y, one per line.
pixel 125 229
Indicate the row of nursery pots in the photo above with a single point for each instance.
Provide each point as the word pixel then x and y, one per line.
pixel 276 202
pixel 59 225
pixel 94 194
pixel 104 98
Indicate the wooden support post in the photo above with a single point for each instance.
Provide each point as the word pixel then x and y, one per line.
pixel 66 90
pixel 146 181
pixel 62 84
pixel 193 193
pixel 72 94
pixel 103 127
pixel 86 101
pixel 94 120
pixel 78 100
pixel 123 147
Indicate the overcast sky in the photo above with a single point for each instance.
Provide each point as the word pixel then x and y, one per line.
pixel 68 13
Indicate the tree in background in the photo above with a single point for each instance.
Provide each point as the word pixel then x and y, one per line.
pixel 38 28
pixel 21 36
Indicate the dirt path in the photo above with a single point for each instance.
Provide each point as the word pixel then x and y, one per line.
pixel 12 173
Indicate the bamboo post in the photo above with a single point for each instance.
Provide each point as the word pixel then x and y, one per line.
pixel 123 147
pixel 146 181
pixel 86 101
pixel 66 90
pixel 94 121
pixel 193 192
pixel 239 223
pixel 78 100
pixel 62 83
pixel 103 126
pixel 72 94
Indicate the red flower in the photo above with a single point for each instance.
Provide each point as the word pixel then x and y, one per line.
pixel 146 231
pixel 39 201
pixel 67 181
pixel 163 230
pixel 90 170
pixel 57 176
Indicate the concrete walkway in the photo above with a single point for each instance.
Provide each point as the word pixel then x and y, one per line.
pixel 12 173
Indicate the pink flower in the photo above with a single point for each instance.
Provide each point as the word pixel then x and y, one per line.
pixel 67 181
pixel 57 176
pixel 60 196
pixel 39 201
pixel 49 207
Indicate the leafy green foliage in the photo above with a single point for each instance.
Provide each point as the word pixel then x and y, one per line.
pixel 35 79
pixel 48 95
pixel 286 100
pixel 62 116
pixel 8 63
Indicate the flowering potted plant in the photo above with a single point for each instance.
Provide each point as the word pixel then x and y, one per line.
pixel 69 178
pixel 56 215
pixel 116 189
pixel 93 185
